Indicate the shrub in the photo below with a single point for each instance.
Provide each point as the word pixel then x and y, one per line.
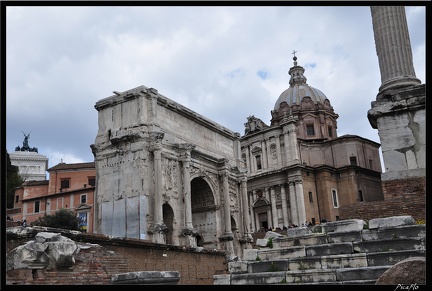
pixel 63 218
pixel 270 243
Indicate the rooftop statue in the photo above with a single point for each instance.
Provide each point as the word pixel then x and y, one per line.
pixel 25 146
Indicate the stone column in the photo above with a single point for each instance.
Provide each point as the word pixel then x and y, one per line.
pixel 252 199
pixel 187 194
pixel 399 112
pixel 157 150
pixel 284 206
pixel 293 203
pixel 226 203
pixel 228 237
pixel 300 202
pixel 393 47
pixel 188 230
pixel 246 217
pixel 158 228
pixel 185 152
pixel 273 207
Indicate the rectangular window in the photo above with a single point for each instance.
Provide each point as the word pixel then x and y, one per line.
pixel 313 221
pixel 36 206
pixel 92 181
pixel 258 162
pixel 335 198
pixel 353 161
pixel 60 203
pixel 310 129
pixel 17 199
pixel 360 195
pixel 310 197
pixel 370 164
pixel 330 131
pixel 337 218
pixel 64 183
pixel 84 198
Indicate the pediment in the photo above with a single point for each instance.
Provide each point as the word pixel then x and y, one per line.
pixel 83 206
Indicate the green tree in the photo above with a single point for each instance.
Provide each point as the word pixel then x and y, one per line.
pixel 63 218
pixel 13 180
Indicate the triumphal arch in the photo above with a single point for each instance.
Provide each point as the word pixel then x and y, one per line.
pixel 168 175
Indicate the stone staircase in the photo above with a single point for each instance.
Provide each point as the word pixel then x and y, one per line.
pixel 341 252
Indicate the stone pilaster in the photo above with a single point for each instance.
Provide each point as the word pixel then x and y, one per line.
pixel 278 150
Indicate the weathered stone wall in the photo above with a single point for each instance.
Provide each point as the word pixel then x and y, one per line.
pixel 96 265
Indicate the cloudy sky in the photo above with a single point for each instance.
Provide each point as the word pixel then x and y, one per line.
pixel 225 63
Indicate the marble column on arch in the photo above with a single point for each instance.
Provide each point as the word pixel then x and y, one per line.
pixel 228 237
pixel 188 230
pixel 158 228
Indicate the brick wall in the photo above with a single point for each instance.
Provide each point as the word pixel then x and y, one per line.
pixel 96 265
pixel 401 197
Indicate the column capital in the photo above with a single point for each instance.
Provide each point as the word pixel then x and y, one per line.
pixel 156 141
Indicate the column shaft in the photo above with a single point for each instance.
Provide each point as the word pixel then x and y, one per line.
pixel 393 46
pixel 187 195
pixel 246 217
pixel 284 206
pixel 158 187
pixel 293 204
pixel 273 207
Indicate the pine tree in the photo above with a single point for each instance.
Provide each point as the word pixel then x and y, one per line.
pixel 13 180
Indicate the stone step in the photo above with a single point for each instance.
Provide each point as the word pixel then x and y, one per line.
pixel 342 254
pixel 376 246
pixel 362 275
pixel 323 262
pixel 396 244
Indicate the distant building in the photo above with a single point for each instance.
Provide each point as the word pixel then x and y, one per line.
pixel 71 186
pixel 31 165
pixel 298 168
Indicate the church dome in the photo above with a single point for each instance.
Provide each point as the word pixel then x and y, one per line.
pixel 299 89
pixel 307 106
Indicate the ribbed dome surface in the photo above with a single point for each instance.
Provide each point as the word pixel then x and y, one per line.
pixel 294 94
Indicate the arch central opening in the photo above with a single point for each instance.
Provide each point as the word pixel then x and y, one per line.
pixel 204 212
